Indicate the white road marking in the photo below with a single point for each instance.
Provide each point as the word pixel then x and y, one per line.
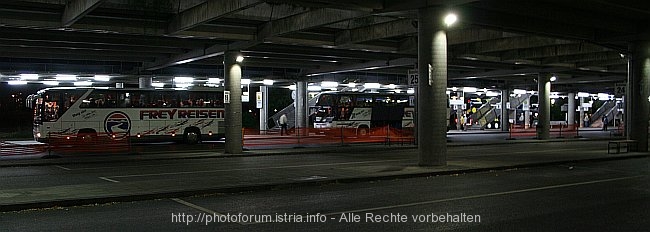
pixel 61 167
pixel 108 179
pixel 247 169
pixel 486 195
pixel 197 207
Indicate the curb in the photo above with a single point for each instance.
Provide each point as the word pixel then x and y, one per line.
pixel 261 187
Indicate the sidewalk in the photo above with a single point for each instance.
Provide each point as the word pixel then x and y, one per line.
pixel 282 171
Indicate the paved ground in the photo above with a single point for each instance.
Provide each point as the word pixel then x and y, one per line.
pixel 592 196
pixel 81 180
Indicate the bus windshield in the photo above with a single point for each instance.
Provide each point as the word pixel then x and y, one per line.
pixel 50 105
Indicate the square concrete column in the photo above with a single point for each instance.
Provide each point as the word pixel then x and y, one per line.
pixel 571 109
pixel 582 111
pixel 544 110
pixel 638 93
pixel 301 107
pixel 505 112
pixel 233 120
pixel 264 90
pixel 432 86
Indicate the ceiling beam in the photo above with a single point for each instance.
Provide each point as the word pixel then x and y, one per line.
pixel 553 50
pixel 370 65
pixel 274 28
pixel 76 9
pixel 377 31
pixel 207 11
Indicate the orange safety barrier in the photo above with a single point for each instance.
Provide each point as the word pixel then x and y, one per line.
pixel 87 143
pixel 333 136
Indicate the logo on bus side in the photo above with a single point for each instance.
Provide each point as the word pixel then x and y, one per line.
pixel 117 123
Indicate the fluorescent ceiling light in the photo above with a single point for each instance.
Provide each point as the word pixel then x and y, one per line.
pixel 183 79
pixel 583 94
pixel 410 91
pixel 314 88
pixel 50 82
pixel 292 87
pixel 553 78
pixel 491 94
pixel 28 76
pixel 352 84
pixel 83 83
pixel 519 91
pixel 469 89
pixel 267 82
pixel 65 77
pixel 245 81
pixel 329 84
pixel 16 82
pixel 214 80
pixel 239 59
pixel 158 84
pixel 184 85
pixel 392 86
pixel 102 78
pixel 372 85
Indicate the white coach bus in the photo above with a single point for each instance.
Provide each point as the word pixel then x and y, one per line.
pixel 136 114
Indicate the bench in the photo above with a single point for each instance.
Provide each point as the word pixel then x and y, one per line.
pixel 630 145
pixel 401 140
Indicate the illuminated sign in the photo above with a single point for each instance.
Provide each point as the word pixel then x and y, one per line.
pixel 176 113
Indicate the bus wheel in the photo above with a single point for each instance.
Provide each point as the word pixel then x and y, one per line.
pixel 192 136
pixel 363 131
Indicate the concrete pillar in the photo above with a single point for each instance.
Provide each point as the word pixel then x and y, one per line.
pixel 233 120
pixel 571 109
pixel 638 93
pixel 264 90
pixel 301 105
pixel 582 111
pixel 544 110
pixel 145 83
pixel 459 114
pixel 505 112
pixel 527 114
pixel 432 87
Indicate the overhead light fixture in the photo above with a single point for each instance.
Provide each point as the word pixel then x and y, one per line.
pixel 292 87
pixel 50 82
pixel 245 81
pixel 392 86
pixel 214 80
pixel 329 84
pixel 519 91
pixel 183 79
pixel 603 96
pixel 372 85
pixel 450 19
pixel 469 90
pixel 17 82
pixel 454 89
pixel 65 77
pixel 314 88
pixel 352 84
pixel 239 58
pixel 583 94
pixel 410 91
pixel 184 85
pixel 491 94
pixel 83 83
pixel 267 82
pixel 553 78
pixel 102 78
pixel 158 84
pixel 28 76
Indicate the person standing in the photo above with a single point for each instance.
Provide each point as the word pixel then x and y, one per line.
pixel 283 125
pixel 586 120
pixel 605 121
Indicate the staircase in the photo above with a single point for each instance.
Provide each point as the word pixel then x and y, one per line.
pixel 609 108
pixel 486 113
pixel 290 111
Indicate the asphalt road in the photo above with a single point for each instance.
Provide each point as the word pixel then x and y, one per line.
pixel 600 196
pixel 181 170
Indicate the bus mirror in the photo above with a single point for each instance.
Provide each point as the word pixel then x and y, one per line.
pixel 29 101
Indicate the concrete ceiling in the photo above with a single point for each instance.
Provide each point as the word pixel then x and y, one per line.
pixel 495 42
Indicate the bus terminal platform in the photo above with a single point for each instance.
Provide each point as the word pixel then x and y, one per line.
pixel 68 181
